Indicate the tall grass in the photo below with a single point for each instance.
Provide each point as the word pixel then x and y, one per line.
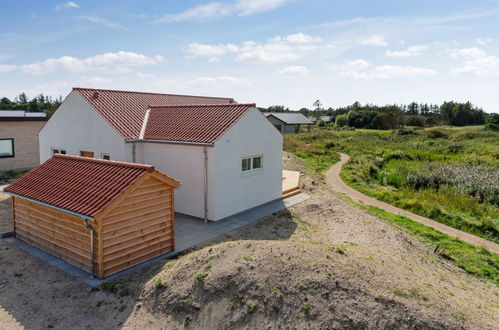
pixel 448 174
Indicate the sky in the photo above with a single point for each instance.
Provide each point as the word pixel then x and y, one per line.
pixel 268 52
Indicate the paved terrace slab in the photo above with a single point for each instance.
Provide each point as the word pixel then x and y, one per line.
pixel 189 233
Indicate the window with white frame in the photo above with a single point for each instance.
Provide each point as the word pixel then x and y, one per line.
pixel 106 156
pixel 6 148
pixel 58 151
pixel 252 163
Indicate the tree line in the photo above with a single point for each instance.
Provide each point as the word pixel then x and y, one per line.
pixel 40 103
pixel 396 115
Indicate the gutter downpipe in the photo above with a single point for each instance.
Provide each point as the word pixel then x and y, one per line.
pixel 92 238
pixel 205 151
pixel 134 145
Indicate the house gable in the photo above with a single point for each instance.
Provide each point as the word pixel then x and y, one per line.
pixel 75 127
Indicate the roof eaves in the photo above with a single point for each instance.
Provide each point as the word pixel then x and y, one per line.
pixel 81 215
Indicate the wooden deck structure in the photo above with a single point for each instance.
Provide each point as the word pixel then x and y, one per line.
pixel 109 216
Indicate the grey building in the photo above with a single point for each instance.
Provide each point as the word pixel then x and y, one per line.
pixel 19 139
pixel 288 122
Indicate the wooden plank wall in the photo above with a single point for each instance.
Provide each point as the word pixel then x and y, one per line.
pixel 139 228
pixel 59 233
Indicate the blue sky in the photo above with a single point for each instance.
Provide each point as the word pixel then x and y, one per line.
pixel 285 52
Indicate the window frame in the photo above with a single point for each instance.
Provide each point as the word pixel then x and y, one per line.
pixel 252 169
pixel 58 151
pixel 102 155
pixel 12 145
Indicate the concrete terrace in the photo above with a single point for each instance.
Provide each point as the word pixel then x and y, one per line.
pixel 189 233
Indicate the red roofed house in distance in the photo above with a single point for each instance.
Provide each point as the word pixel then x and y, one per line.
pixel 227 155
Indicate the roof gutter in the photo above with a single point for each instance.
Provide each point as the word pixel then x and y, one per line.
pixel 206 144
pixel 81 215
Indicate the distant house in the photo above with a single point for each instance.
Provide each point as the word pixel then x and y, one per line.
pixel 227 155
pixel 19 148
pixel 326 119
pixel 288 122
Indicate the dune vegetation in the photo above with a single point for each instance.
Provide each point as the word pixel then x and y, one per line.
pixel 448 174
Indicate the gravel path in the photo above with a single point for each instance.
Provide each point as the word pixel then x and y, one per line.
pixel 334 181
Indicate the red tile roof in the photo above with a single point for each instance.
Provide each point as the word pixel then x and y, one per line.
pixel 125 110
pixel 78 184
pixel 193 123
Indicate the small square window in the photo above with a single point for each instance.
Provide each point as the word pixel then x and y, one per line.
pixel 6 148
pixel 58 151
pixel 106 156
pixel 246 164
pixel 257 162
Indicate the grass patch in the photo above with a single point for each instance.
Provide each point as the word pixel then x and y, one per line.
pixel 159 284
pixel 201 277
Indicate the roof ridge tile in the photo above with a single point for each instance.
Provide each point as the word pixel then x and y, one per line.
pixel 106 162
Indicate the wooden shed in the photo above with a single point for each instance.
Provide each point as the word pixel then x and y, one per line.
pixel 99 215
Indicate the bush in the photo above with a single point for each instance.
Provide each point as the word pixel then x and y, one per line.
pixel 404 131
pixel 415 121
pixel 321 123
pixel 341 120
pixel 492 123
pixel 437 133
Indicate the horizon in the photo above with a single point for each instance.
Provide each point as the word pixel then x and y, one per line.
pixel 250 50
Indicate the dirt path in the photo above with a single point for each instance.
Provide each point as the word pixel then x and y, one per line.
pixel 334 181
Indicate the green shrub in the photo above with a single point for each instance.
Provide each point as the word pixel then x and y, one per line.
pixel 341 120
pixel 437 133
pixel 201 277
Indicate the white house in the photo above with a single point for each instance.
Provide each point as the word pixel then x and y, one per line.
pixel 228 156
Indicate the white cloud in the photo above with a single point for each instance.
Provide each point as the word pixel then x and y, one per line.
pixel 214 59
pixel 249 7
pixel 216 10
pixel 103 21
pixel 210 11
pixel 467 53
pixel 395 71
pixel 220 80
pixel 358 69
pixel 109 62
pixel 483 66
pixel 145 75
pixel 375 40
pixel 277 49
pixel 7 67
pixel 69 4
pixel 197 49
pixel 355 65
pixel 411 51
pixel 483 41
pixel 294 70
pixel 301 38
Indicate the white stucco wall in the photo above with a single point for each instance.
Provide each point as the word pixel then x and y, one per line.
pixel 75 126
pixel 236 191
pixel 186 164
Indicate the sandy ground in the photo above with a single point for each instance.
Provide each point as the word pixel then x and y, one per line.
pixel 322 264
pixel 5 213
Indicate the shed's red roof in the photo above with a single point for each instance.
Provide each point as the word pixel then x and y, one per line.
pixel 192 123
pixel 125 110
pixel 78 184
